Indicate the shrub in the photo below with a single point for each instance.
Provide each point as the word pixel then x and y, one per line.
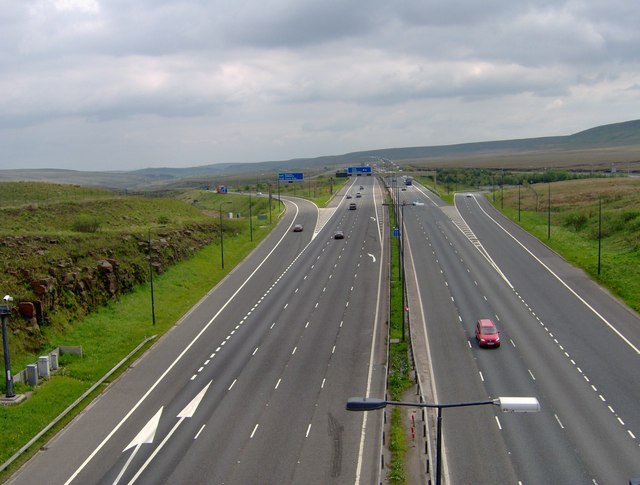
pixel 576 220
pixel 86 223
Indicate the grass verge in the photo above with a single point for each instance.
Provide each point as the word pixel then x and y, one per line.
pixel 110 333
pixel 399 378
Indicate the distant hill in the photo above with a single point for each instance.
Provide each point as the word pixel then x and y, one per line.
pixel 597 147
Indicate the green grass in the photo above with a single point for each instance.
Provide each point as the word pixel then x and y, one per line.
pixel 399 376
pixel 575 214
pixel 111 332
pixel 398 448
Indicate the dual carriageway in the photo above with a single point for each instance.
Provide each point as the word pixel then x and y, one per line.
pixel 250 386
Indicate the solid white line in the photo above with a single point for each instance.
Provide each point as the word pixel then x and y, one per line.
pixel 182 354
pixel 595 312
pixel 372 351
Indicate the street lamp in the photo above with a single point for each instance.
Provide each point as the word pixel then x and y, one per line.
pixel 250 220
pixel 506 404
pixel 221 238
pixel 4 311
pixel 153 308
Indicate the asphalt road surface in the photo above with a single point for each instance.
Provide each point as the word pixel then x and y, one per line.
pixel 564 340
pixel 250 386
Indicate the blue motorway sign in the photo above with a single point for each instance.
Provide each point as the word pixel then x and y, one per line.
pixel 290 176
pixel 359 169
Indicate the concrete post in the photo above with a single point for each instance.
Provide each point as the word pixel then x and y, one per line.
pixel 43 367
pixel 32 375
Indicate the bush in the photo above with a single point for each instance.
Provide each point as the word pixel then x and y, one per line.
pixel 576 220
pixel 86 223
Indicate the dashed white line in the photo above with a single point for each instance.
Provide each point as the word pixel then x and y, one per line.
pixel 199 431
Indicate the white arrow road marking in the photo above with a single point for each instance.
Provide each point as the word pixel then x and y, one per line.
pixel 145 436
pixel 187 412
pixel 372 257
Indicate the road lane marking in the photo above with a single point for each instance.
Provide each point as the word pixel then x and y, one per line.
pixel 187 412
pixel 571 290
pixel 145 436
pixel 199 431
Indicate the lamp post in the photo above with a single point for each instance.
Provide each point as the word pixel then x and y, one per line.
pixel 250 220
pixel 221 237
pixel 506 404
pixel 153 308
pixel 4 311
pixel 549 212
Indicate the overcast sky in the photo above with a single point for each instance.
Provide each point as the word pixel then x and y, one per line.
pixel 127 84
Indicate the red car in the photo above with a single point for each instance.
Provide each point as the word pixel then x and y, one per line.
pixel 487 333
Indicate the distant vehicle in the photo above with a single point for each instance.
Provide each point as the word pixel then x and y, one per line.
pixel 297 228
pixel 487 333
pixel 362 187
pixel 348 196
pixel 352 206
pixel 417 202
pixel 338 235
pixel 358 195
pixel 408 181
pixel 469 195
pixel 404 188
pixel 258 193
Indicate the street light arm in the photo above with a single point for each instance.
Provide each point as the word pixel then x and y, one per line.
pixel 507 404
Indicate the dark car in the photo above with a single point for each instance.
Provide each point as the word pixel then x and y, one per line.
pixel 487 333
pixel 338 235
pixel 348 196
pixel 297 228
pixel 358 195
pixel 352 206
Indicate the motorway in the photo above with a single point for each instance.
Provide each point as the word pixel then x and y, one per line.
pixel 250 386
pixel 564 340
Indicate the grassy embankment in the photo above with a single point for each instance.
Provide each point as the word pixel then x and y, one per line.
pixel 112 331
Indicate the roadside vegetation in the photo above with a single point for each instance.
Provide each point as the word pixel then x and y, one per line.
pixel 49 240
pixel 587 217
pixel 593 221
pixel 399 375
pixel 51 232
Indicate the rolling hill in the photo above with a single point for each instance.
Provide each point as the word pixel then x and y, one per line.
pixel 593 149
